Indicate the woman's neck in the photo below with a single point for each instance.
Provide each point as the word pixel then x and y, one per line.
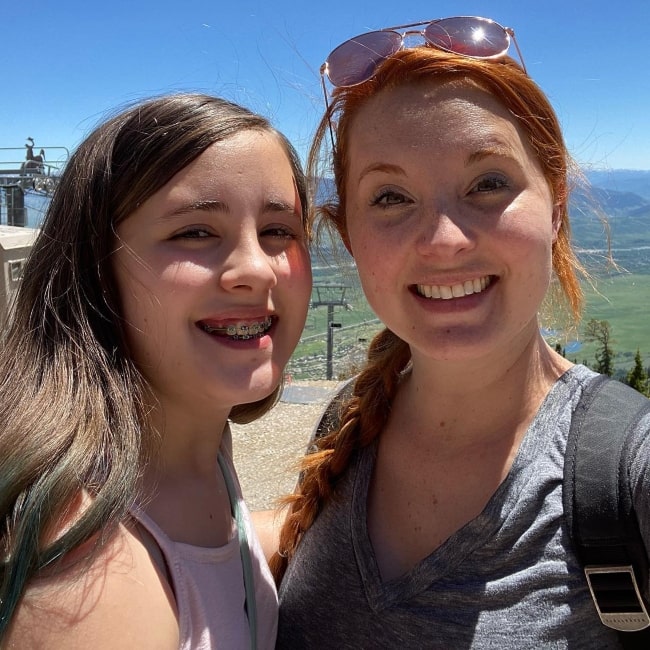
pixel 479 399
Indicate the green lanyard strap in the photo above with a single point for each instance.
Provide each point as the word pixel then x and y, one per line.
pixel 244 549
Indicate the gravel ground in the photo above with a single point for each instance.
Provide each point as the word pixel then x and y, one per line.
pixel 265 451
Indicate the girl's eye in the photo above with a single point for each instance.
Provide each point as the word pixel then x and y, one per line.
pixel 279 232
pixel 490 183
pixel 193 233
pixel 389 197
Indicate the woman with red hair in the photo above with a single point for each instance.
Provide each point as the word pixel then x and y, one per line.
pixel 432 516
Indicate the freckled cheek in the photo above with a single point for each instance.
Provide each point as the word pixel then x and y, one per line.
pixel 374 264
pixel 295 265
pixel 184 275
pixel 533 247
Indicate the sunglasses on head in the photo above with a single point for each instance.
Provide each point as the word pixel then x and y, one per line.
pixel 356 60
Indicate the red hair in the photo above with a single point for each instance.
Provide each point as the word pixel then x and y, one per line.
pixel 388 356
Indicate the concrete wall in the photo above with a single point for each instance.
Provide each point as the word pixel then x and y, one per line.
pixel 15 245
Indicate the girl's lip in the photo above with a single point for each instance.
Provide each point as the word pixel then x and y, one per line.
pixel 226 319
pixel 238 328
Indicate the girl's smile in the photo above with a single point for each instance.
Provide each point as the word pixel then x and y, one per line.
pixel 238 330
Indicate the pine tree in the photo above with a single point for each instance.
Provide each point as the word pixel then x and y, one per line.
pixel 638 376
pixel 599 331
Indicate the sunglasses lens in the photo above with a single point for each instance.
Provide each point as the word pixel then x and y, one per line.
pixel 356 60
pixel 469 36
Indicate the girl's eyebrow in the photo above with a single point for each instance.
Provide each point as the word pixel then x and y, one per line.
pixel 272 205
pixel 196 206
pixel 277 205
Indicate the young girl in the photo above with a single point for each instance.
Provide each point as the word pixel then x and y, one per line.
pixel 433 516
pixel 164 295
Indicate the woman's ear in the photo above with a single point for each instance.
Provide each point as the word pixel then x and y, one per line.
pixel 346 242
pixel 557 221
pixel 341 229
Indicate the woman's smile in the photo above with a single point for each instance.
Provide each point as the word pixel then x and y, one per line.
pixel 458 290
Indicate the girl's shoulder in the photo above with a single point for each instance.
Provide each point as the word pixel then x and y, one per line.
pixel 116 598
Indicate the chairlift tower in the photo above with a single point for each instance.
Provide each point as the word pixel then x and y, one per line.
pixel 330 296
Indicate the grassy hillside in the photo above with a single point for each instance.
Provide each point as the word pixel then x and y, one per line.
pixel 624 301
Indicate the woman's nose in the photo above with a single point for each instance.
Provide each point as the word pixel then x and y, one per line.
pixel 446 233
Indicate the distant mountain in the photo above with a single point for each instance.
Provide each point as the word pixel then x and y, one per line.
pixel 617 202
pixel 627 214
pixel 325 190
pixel 622 180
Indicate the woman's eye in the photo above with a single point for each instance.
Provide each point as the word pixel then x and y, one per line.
pixel 490 184
pixel 389 197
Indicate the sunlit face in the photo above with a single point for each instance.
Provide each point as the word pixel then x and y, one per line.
pixel 215 278
pixel 450 220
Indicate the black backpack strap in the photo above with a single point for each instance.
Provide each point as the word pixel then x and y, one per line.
pixel 599 509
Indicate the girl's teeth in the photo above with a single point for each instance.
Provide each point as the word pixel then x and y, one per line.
pixel 241 330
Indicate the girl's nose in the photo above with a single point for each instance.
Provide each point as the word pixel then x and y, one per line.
pixel 248 266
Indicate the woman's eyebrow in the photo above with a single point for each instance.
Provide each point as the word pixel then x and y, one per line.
pixel 493 149
pixel 381 167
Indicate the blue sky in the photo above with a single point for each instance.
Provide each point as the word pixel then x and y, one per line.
pixel 67 64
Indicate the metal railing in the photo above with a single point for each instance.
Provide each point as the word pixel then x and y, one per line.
pixel 38 172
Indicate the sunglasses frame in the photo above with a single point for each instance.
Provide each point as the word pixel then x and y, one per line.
pixel 508 32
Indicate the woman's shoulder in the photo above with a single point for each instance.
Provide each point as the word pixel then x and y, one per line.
pixel 115 598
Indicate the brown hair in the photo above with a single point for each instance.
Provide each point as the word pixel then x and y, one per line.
pixel 388 356
pixel 72 402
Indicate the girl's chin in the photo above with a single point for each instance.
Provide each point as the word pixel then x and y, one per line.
pixel 262 384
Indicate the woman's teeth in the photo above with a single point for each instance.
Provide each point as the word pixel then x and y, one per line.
pixel 241 331
pixel 446 292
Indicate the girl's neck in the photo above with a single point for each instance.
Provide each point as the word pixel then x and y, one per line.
pixel 187 443
pixel 183 488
